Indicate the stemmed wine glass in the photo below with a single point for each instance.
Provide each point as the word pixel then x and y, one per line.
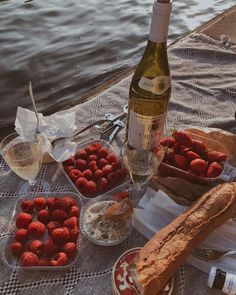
pixel 23 156
pixel 141 163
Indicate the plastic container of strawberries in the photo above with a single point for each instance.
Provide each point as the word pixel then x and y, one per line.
pixel 13 262
pixel 111 188
pixel 168 170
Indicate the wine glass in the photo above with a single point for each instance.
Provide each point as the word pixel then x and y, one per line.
pixel 24 157
pixel 141 163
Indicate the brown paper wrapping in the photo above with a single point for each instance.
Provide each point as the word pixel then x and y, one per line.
pixel 184 192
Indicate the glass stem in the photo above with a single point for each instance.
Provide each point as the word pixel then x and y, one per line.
pixel 32 182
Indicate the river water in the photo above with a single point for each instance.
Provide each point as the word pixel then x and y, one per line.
pixel 67 48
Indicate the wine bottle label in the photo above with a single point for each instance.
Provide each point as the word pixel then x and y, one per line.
pixel 230 284
pixel 158 85
pixel 160 22
pixel 145 131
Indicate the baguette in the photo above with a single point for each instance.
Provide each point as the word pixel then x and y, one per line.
pixel 161 257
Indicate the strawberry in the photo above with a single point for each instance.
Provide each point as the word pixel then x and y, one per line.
pixel 53 225
pixel 113 178
pixel 29 259
pixel 69 162
pixel 122 172
pixel 60 235
pixel 199 146
pixel 59 259
pixel 92 158
pixel 43 216
pixel 71 222
pixel 17 249
pixel 81 164
pixel 74 211
pixel 21 235
pixel 178 149
pixel 36 247
pixel 98 174
pixel 40 203
pixel 68 168
pixel 214 156
pixel 169 156
pixel 27 206
pixel 214 170
pixel 43 262
pixel 93 166
pixel 74 234
pixel 67 202
pixel 81 184
pixel 102 152
pixel 119 196
pixel 111 158
pixel 89 150
pixel 102 162
pixel 53 203
pixel 50 248
pixel 36 229
pixel 91 188
pixel 198 166
pixel 70 249
pixel 183 138
pixel 102 184
pixel 74 174
pixel 88 174
pixel 81 154
pixel 181 162
pixel 95 146
pixel 107 169
pixel 116 165
pixel 23 220
pixel 190 155
pixel 59 215
pixel 168 142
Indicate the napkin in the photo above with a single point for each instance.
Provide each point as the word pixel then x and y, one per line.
pixel 156 210
pixel 51 127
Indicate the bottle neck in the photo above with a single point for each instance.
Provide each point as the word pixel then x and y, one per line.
pixel 160 22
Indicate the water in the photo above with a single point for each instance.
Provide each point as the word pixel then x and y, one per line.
pixel 68 48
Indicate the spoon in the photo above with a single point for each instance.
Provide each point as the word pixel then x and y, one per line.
pixel 35 108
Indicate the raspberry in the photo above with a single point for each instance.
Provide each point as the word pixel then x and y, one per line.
pixel 50 248
pixel 23 220
pixel 53 225
pixel 93 165
pixel 36 229
pixel 40 203
pixel 74 174
pixel 70 249
pixel 107 169
pixel 95 146
pixel 116 165
pixel 71 222
pixel 60 235
pixel 68 168
pixel 102 162
pixel 74 234
pixel 81 164
pixel 27 206
pixel 102 152
pixel 81 184
pixel 29 259
pixel 53 203
pixel 59 259
pixel 88 174
pixel 69 162
pixel 111 158
pixel 67 202
pixel 81 155
pixel 21 235
pixel 98 174
pixel 43 262
pixel 89 150
pixel 92 158
pixel 43 216
pixel 102 184
pixel 74 212
pixel 59 215
pixel 36 247
pixel 91 188
pixel 113 178
pixel 17 249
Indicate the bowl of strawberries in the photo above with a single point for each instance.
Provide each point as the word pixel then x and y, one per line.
pixel 94 169
pixel 195 158
pixel 45 232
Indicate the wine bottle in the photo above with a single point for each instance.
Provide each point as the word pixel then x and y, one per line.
pixel 151 85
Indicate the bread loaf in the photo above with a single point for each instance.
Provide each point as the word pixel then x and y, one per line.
pixel 161 257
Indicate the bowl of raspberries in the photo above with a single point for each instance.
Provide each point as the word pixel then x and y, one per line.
pixel 95 169
pixel 45 232
pixel 192 157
